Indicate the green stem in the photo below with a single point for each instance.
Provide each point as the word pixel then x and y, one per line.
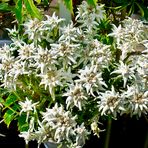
pixel 27 145
pixel 146 138
pixel 146 141
pixel 108 132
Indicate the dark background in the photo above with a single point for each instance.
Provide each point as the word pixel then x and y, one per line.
pixel 126 132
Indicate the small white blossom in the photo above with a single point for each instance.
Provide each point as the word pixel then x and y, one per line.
pixel 110 103
pixel 61 121
pixel 27 107
pixel 75 96
pixel 96 130
pixel 82 134
pixel 32 28
pixel 90 16
pixel 117 33
pixel 100 53
pixel 44 59
pixel 136 100
pixel 91 79
pixel 126 71
pixel 67 51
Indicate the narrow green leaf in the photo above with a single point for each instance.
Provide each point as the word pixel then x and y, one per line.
pixel 92 2
pixel 38 1
pixel 22 124
pixel 46 2
pixel 8 117
pixel 1 100
pixel 131 10
pixel 141 10
pixel 32 9
pixel 19 11
pixel 5 0
pixel 4 7
pixel 69 5
pixel 10 100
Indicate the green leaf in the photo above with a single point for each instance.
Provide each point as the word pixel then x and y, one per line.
pixel 1 100
pixel 5 0
pixel 10 100
pixel 141 10
pixel 8 117
pixel 11 114
pixel 69 5
pixel 22 124
pixel 19 11
pixel 92 2
pixel 46 2
pixel 4 7
pixel 38 1
pixel 32 9
pixel 131 10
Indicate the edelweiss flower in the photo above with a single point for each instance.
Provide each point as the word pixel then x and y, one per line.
pixel 91 79
pixel 45 59
pixel 110 103
pixel 43 133
pixel 96 130
pixel 26 51
pixel 17 70
pixel 27 107
pixel 51 79
pixel 100 53
pixel 61 121
pixel 137 100
pixel 81 135
pixel 5 52
pixel 27 135
pixel 55 77
pixel 67 51
pixel 117 33
pixel 52 21
pixel 126 71
pixel 69 33
pixel 142 66
pixel 7 63
pixel 32 28
pixel 75 96
pixel 88 16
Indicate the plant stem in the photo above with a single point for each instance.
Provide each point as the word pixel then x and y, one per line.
pixel 27 145
pixel 146 140
pixel 108 132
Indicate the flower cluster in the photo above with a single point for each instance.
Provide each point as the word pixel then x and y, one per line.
pixel 60 79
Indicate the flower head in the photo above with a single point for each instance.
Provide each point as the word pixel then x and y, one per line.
pixel 110 103
pixel 76 96
pixel 27 107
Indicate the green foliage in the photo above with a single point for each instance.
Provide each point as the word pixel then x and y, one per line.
pixel 32 9
pixel 69 5
pixel 92 2
pixel 22 124
pixel 22 9
pixel 122 8
pixel 10 114
pixel 19 11
pixel 10 100
pixel 104 28
pixel 4 7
